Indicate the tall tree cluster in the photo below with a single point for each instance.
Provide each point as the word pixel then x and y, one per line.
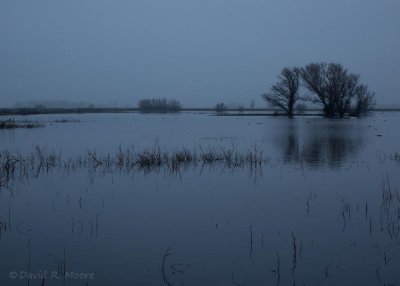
pixel 331 86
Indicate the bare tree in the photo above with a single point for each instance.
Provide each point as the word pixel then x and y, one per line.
pixel 341 86
pixel 315 80
pixel 333 87
pixel 284 93
pixel 364 100
pixel 347 93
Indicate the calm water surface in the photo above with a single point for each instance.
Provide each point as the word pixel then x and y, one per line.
pixel 324 209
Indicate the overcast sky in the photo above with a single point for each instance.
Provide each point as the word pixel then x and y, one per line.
pixel 199 52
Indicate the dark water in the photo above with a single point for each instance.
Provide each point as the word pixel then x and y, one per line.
pixel 323 210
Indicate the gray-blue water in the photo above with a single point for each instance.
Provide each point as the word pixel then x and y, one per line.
pixel 317 213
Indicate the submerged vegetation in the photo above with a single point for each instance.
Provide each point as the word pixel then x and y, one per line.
pixel 12 124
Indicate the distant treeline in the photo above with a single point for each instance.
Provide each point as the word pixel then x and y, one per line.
pixel 159 105
pixel 42 104
pixel 46 110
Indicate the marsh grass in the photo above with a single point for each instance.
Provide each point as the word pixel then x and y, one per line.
pixel 3 226
pixel 164 276
pixel 18 166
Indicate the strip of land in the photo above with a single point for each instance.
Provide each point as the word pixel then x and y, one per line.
pixel 227 112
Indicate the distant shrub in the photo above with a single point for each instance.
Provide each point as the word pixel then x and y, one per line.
pixel 159 105
pixel 220 107
pixel 301 107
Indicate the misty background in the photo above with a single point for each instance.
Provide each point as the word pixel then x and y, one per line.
pixel 198 52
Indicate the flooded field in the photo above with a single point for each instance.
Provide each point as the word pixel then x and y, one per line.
pixel 196 199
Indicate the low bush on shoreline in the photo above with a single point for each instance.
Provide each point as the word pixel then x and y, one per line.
pixel 12 124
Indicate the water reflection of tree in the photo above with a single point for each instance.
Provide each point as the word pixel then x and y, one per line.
pixel 314 144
